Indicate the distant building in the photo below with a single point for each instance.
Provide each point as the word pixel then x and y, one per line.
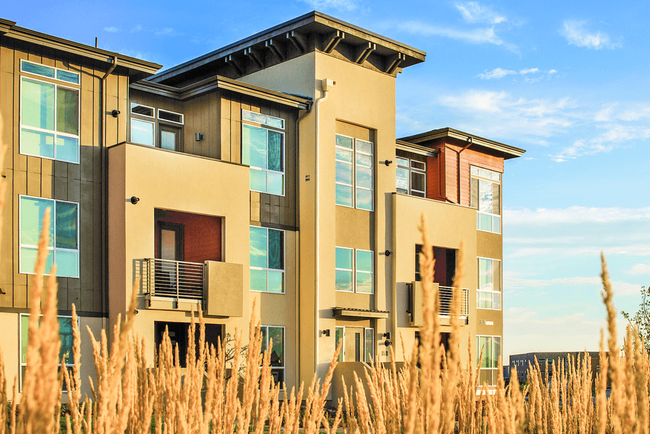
pixel 547 362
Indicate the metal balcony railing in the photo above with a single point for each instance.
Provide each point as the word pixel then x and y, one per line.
pixel 175 279
pixel 445 294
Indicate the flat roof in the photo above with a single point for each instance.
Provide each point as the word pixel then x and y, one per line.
pixel 507 150
pixel 136 67
pixel 312 22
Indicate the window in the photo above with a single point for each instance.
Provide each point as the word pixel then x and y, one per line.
pixel 491 347
pixel 354 173
pixel 273 340
pixel 488 295
pixel 357 262
pixel 179 337
pixel 49 113
pixel 65 333
pixel 411 177
pixel 64 235
pixel 266 260
pixel 486 198
pixel 144 124
pixel 263 151
pixel 339 337
pixel 360 347
pixel 369 344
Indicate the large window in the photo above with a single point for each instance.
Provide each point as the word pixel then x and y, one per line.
pixel 65 333
pixel 263 151
pixel 491 347
pixel 354 270
pixel 354 173
pixel 49 113
pixel 64 235
pixel 411 177
pixel 358 344
pixel 266 260
pixel 488 295
pixel 273 340
pixel 168 124
pixel 486 198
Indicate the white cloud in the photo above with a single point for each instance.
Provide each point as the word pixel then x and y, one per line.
pixel 474 36
pixel 574 215
pixel 136 28
pixel 496 73
pixel 529 71
pixel 340 5
pixel 612 138
pixel 111 29
pixel 576 33
pixel 166 31
pixel 473 12
pixel 640 269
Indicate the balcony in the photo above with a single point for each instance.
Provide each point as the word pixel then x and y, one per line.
pixel 445 294
pixel 218 287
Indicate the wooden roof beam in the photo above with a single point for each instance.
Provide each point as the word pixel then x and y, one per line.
pixel 363 51
pixel 275 49
pixel 393 62
pixel 298 40
pixel 331 40
pixel 248 52
pixel 235 64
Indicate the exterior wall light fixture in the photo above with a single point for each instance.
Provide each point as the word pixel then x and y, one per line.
pixel 115 113
pixel 135 200
pixel 388 162
pixel 387 253
pixel 326 332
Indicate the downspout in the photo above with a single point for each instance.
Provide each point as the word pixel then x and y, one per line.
pixel 469 143
pixel 326 84
pixel 297 348
pixel 104 179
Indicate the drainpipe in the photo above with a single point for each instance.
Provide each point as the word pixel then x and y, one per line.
pixel 297 347
pixel 469 143
pixel 104 178
pixel 326 85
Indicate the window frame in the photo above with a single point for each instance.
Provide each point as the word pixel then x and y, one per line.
pixel 369 331
pixel 153 133
pixel 342 352
pixel 284 351
pixel 20 347
pixel 267 128
pixel 493 369
pixel 355 270
pixel 284 262
pixel 479 290
pixel 355 166
pixel 56 82
pixel 498 228
pixel 158 110
pixel 53 249
pixel 411 170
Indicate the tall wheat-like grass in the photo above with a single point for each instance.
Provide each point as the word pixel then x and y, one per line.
pixel 431 394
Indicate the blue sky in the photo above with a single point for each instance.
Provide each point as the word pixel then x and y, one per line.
pixel 567 81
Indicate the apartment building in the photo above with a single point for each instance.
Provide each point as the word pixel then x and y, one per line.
pixel 267 171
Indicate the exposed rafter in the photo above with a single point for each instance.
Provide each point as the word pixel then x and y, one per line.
pixel 331 40
pixel 275 49
pixel 251 54
pixel 235 64
pixel 393 62
pixel 298 40
pixel 363 51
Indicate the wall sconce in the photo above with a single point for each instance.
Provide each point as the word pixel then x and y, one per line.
pixel 384 335
pixel 199 137
pixel 115 113
pixel 388 162
pixel 135 200
pixel 387 253
pixel 325 332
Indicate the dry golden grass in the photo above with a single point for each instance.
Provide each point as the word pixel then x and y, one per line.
pixel 439 396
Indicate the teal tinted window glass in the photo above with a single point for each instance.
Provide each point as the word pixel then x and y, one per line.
pixel 65 333
pixel 369 345
pixel 35 68
pixel 343 141
pixel 363 146
pixel 364 177
pixel 276 342
pixel 364 199
pixel 37 143
pixel 338 336
pixel 275 183
pixel 67 110
pixel 402 180
pixel 37 104
pixel 276 281
pixel 496 224
pixel 142 132
pixel 275 151
pixel 257 280
pixel 168 140
pixel 364 160
pixel 67 149
pixel 257 180
pixel 258 247
pixel 32 210
pixel 343 280
pixel 67 263
pixel 364 283
pixel 255 147
pixel 265 341
pixel 66 225
pixel 343 195
pixel 344 258
pixel 344 173
pixel 70 77
pixel 364 261
pixel 276 250
pixel 343 155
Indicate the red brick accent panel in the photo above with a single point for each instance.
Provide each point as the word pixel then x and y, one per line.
pixel 202 235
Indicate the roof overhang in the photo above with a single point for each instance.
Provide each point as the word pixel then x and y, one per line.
pixel 135 68
pixel 309 32
pixel 223 83
pixel 506 151
pixel 349 312
pixel 416 149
